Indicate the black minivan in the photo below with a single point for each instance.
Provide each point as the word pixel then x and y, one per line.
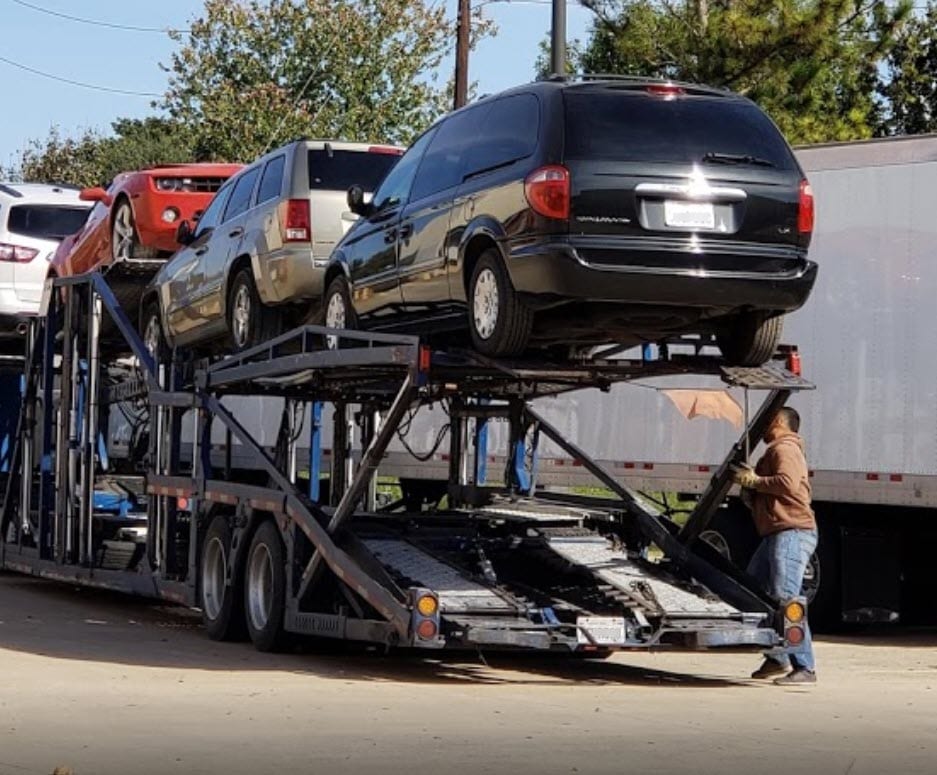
pixel 583 212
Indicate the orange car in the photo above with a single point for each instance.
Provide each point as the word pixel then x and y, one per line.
pixel 136 218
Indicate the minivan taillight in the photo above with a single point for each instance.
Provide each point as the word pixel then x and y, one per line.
pixel 17 253
pixel 547 191
pixel 298 221
pixel 805 208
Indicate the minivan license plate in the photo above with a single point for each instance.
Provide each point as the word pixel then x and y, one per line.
pixel 689 215
pixel 602 630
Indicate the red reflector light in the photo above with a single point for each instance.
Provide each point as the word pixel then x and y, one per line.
pixel 794 636
pixel 17 253
pixel 298 218
pixel 547 191
pixel 793 363
pixel 385 149
pixel 182 504
pixel 805 208
pixel 427 629
pixel 666 90
pixel 426 358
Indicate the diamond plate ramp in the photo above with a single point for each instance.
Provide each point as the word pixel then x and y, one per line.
pixel 457 594
pixel 613 567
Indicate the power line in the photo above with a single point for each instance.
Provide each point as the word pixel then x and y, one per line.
pixel 95 22
pixel 79 83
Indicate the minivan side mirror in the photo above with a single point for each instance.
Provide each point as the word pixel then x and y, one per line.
pixel 184 234
pixel 356 202
pixel 97 194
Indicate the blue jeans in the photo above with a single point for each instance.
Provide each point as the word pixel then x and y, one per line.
pixel 779 564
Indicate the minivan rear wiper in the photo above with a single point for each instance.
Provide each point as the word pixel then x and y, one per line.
pixel 736 158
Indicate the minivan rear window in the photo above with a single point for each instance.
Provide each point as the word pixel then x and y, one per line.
pixel 628 126
pixel 53 222
pixel 344 169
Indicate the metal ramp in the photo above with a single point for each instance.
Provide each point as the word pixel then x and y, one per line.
pixel 613 566
pixel 457 594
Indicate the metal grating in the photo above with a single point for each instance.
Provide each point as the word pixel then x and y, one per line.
pixel 457 594
pixel 616 569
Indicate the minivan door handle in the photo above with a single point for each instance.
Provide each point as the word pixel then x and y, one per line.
pixel 236 232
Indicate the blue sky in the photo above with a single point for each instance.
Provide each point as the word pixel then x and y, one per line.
pixel 123 59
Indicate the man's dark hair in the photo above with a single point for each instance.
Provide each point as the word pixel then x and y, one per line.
pixel 791 418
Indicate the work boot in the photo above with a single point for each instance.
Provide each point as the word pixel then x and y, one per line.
pixel 799 676
pixel 769 668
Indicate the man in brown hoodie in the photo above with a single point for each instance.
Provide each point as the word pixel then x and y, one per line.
pixel 778 493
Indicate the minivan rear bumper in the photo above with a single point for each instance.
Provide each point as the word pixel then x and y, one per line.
pixel 772 280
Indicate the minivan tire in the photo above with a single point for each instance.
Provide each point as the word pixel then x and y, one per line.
pixel 499 321
pixel 261 322
pixel 752 339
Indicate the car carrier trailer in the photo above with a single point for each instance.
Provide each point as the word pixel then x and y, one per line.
pixel 261 549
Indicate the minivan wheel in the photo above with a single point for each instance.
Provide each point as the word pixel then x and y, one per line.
pixel 265 589
pixel 250 321
pixel 752 339
pixel 499 322
pixel 338 311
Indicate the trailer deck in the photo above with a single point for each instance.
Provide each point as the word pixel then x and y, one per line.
pixel 496 567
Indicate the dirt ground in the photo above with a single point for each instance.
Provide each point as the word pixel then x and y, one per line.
pixel 103 684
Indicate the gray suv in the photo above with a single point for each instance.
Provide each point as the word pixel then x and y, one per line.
pixel 256 258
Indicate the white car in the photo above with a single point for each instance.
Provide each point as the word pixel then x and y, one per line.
pixel 34 219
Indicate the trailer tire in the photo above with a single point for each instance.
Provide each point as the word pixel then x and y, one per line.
pixel 825 610
pixel 265 588
pixel 752 339
pixel 499 321
pixel 221 603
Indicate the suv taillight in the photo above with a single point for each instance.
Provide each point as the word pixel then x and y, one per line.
pixel 547 191
pixel 298 221
pixel 805 208
pixel 17 253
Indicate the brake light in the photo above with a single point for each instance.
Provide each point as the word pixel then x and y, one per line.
pixel 298 217
pixel 389 150
pixel 547 191
pixel 665 90
pixel 17 253
pixel 805 208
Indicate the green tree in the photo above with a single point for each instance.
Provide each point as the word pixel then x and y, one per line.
pixel 252 75
pixel 910 86
pixel 93 158
pixel 812 64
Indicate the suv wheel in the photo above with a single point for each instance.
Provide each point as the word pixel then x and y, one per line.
pixel 250 321
pixel 500 323
pixel 125 242
pixel 752 339
pixel 338 310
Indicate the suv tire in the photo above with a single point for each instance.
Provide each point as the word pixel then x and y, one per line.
pixel 250 321
pixel 752 339
pixel 337 310
pixel 499 321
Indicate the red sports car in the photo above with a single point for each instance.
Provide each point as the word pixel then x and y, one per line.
pixel 136 218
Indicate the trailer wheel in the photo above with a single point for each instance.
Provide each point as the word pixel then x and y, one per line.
pixel 499 321
pixel 338 311
pixel 221 603
pixel 250 321
pixel 752 339
pixel 265 588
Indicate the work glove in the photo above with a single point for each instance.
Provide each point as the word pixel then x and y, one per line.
pixel 745 476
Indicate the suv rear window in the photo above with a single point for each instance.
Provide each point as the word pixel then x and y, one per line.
pixel 628 126
pixel 46 221
pixel 344 169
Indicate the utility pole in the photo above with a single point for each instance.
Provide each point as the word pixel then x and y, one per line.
pixel 558 38
pixel 463 33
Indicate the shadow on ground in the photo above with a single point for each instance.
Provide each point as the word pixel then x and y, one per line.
pixel 66 622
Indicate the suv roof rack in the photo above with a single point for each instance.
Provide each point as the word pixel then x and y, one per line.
pixel 635 79
pixel 10 191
